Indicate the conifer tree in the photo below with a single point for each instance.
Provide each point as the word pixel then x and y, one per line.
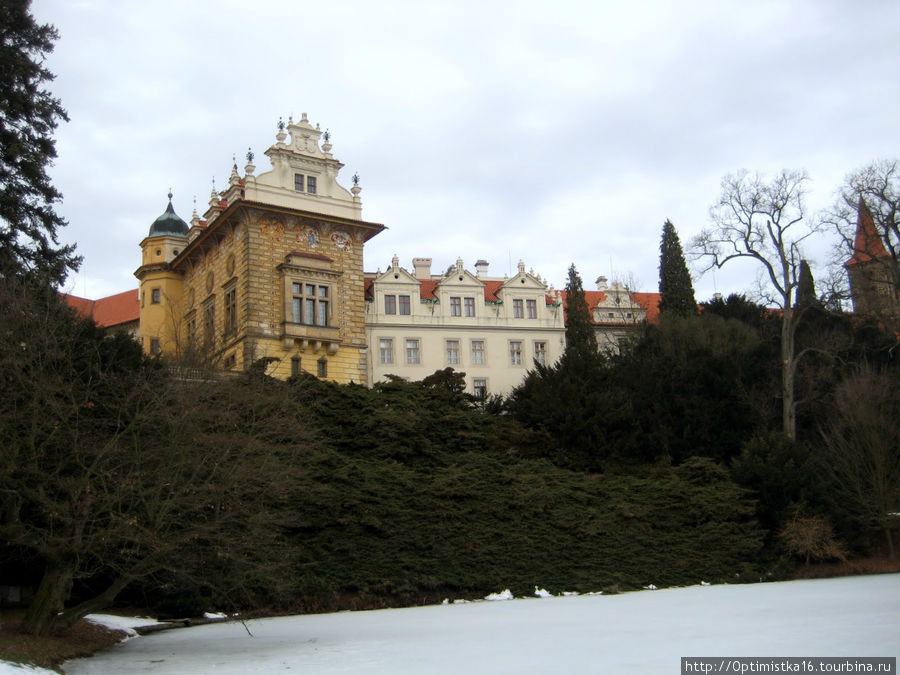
pixel 580 338
pixel 28 116
pixel 675 287
pixel 806 287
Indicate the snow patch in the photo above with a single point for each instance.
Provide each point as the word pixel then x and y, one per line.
pixel 214 615
pixel 502 595
pixel 542 593
pixel 7 668
pixel 126 624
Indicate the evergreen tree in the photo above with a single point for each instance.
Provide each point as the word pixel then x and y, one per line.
pixel 806 287
pixel 28 116
pixel 675 287
pixel 580 337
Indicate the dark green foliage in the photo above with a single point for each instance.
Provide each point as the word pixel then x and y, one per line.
pixel 738 307
pixel 806 288
pixel 697 385
pixel 675 286
pixel 777 470
pixel 592 424
pixel 580 338
pixel 403 494
pixel 28 117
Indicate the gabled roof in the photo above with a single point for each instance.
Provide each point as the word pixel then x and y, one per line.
pixel 113 310
pixel 868 245
pixel 648 301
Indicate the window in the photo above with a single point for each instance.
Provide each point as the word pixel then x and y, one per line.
pixel 230 361
pixel 455 306
pixel 295 365
pixel 322 367
pixel 452 352
pixel 518 309
pixel 412 351
pixel 470 306
pixel 298 182
pixel 390 304
pixel 154 296
pixel 231 311
pixel 386 350
pixel 540 353
pixel 311 184
pixel 479 386
pixel 154 346
pixel 515 353
pixel 209 323
pixel 404 305
pixel 531 305
pixel 191 330
pixel 477 352
pixel 310 304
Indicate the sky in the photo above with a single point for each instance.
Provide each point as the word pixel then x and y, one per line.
pixel 640 632
pixel 553 133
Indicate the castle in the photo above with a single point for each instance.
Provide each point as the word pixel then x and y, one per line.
pixel 272 273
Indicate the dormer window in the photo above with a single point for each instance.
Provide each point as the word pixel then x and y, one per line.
pixel 306 184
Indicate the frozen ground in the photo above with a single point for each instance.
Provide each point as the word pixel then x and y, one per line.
pixel 642 632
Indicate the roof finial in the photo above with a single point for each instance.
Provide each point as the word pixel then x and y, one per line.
pixel 170 195
pixel 356 178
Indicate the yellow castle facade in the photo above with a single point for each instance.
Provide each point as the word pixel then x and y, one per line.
pixel 272 273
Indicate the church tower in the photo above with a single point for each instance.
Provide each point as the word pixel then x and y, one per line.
pixel 160 286
pixel 873 272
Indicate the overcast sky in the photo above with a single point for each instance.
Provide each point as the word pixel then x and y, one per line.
pixel 552 132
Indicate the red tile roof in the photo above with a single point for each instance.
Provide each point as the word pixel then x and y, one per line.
pixel 112 310
pixel 426 289
pixel 868 245
pixel 648 301
pixel 490 290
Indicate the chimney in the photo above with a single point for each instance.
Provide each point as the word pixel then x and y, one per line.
pixel 422 267
pixel 481 268
pixel 601 283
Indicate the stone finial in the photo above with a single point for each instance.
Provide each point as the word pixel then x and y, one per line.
pixel 395 262
pixel 521 267
pixel 249 167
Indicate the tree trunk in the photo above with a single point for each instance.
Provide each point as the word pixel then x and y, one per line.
pixel 888 535
pixel 49 601
pixel 788 411
pixel 98 602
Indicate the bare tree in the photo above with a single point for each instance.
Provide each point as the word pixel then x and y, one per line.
pixel 110 469
pixel 866 218
pixel 765 221
pixel 862 450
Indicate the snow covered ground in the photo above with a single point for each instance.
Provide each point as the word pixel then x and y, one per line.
pixel 642 632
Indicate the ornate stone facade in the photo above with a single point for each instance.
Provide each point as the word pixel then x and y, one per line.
pixel 273 271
